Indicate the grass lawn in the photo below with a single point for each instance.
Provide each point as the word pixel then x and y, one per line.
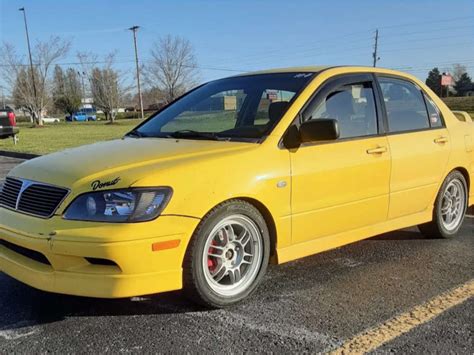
pixel 54 137
pixel 58 136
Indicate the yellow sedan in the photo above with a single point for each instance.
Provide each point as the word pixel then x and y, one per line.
pixel 263 167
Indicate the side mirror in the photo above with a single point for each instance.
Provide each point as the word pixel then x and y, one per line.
pixel 322 129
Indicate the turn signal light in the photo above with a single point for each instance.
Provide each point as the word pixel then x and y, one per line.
pixel 169 244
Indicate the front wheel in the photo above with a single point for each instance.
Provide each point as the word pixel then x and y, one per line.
pixel 227 255
pixel 450 208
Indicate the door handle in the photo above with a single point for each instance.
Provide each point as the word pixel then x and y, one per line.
pixel 441 140
pixel 378 150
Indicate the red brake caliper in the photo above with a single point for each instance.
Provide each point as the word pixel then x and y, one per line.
pixel 211 263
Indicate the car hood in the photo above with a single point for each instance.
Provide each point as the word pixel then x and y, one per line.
pixel 127 159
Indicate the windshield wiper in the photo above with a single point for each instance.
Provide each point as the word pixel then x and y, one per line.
pixel 135 133
pixel 189 134
pixel 184 134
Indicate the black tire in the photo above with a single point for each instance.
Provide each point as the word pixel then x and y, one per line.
pixel 436 228
pixel 194 281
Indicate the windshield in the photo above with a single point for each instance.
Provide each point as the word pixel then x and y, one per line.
pixel 238 108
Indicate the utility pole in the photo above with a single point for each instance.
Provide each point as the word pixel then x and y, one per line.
pixel 3 97
pixel 82 74
pixel 374 54
pixel 134 30
pixel 31 61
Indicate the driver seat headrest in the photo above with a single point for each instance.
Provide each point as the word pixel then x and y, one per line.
pixel 276 110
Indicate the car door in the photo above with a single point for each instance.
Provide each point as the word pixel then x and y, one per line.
pixel 419 143
pixel 342 185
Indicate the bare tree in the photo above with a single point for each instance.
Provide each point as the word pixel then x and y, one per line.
pixel 67 92
pixel 172 67
pixel 106 83
pixel 458 70
pixel 14 73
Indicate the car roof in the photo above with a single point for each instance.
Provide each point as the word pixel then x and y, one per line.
pixel 307 69
pixel 319 68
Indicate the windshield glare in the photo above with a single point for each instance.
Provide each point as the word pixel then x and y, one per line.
pixel 245 108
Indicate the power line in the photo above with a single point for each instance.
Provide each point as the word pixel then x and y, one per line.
pixel 321 49
pixel 269 53
pixel 446 45
pixel 227 69
pixel 440 29
pixel 439 64
pixel 425 68
pixel 467 36
pixel 323 52
pixel 297 45
pixel 132 61
pixel 425 22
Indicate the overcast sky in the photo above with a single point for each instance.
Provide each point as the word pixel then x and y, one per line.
pixel 246 35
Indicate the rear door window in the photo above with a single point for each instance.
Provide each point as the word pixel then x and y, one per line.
pixel 433 112
pixel 405 105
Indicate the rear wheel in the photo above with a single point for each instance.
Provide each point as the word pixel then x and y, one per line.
pixel 450 208
pixel 227 256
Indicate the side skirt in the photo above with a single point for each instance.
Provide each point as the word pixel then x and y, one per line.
pixel 319 245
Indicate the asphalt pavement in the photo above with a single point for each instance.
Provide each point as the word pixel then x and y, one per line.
pixel 316 304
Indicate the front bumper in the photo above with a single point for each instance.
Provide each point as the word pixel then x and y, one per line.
pixel 72 254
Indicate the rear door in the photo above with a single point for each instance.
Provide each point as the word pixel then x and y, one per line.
pixel 419 143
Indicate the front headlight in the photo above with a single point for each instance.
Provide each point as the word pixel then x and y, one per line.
pixel 127 205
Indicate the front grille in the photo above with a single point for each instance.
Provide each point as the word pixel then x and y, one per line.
pixel 11 189
pixel 31 254
pixel 31 197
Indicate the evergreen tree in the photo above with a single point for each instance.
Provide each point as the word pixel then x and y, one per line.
pixel 434 80
pixel 463 84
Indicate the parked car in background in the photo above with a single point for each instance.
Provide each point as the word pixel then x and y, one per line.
pixel 51 120
pixel 8 126
pixel 83 115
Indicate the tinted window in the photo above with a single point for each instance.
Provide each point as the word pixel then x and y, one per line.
pixel 406 110
pixel 433 112
pixel 353 106
pixel 245 107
